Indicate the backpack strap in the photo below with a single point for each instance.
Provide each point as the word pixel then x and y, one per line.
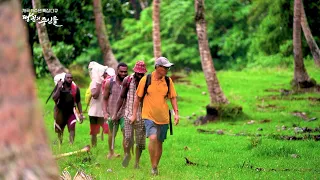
pixel 148 82
pixel 129 79
pixel 168 84
pixel 74 91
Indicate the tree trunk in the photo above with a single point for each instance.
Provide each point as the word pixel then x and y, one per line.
pixel 308 35
pixel 156 29
pixel 136 9
pixel 215 91
pixel 54 65
pixel 104 43
pixel 300 73
pixel 25 153
pixel 143 4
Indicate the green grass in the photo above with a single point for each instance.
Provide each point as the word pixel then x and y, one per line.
pixel 228 156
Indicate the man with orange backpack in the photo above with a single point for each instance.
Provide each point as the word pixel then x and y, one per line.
pixel 66 96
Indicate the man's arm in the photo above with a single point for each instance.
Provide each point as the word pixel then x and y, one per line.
pixel 79 105
pixel 95 92
pixel 175 109
pixel 123 95
pixel 105 100
pixel 56 94
pixel 136 102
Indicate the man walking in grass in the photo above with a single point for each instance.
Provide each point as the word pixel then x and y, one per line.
pixel 111 94
pixel 66 96
pixel 129 86
pixel 155 110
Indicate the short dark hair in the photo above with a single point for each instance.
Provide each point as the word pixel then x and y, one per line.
pixel 122 64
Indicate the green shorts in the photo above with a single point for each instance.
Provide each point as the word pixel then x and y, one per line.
pixel 121 123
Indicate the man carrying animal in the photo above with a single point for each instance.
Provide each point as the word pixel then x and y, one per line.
pixel 66 95
pixel 155 110
pixel 111 94
pixel 129 86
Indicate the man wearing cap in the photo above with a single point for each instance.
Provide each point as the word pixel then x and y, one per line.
pixel 111 95
pixel 155 109
pixel 129 86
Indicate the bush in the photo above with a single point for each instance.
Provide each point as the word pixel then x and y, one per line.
pixel 62 51
pixel 80 75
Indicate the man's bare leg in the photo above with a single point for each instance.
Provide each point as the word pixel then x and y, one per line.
pixel 158 151
pixel 60 137
pixel 127 154
pixel 94 140
pixel 72 134
pixel 138 155
pixel 111 153
pixel 153 153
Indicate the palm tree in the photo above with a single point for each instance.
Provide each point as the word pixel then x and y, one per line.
pixel 135 8
pixel 104 43
pixel 143 4
pixel 54 65
pixel 156 29
pixel 310 40
pixel 25 153
pixel 215 91
pixel 301 76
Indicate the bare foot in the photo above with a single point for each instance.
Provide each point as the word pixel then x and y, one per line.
pixel 114 155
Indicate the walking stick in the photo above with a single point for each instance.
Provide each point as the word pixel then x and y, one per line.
pixel 114 133
pixel 170 123
pixel 53 91
pixel 85 149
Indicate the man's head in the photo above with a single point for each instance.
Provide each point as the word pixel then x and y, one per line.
pixel 122 70
pixel 139 70
pixel 162 65
pixel 68 79
pixel 109 72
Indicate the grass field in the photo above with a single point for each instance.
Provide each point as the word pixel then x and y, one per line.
pixel 252 150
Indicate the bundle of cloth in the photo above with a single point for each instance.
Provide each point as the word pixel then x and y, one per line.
pixel 96 71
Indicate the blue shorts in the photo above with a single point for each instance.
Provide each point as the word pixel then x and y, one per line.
pixel 159 129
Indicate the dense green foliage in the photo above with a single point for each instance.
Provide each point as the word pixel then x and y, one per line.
pixel 241 33
pixel 250 147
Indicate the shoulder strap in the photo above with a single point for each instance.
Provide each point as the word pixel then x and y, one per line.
pixel 110 85
pixel 168 84
pixel 148 82
pixel 73 91
pixel 127 86
pixel 129 81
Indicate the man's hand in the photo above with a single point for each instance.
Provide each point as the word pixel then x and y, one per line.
pixel 106 116
pixel 59 85
pixel 114 117
pixel 81 117
pixel 176 119
pixel 133 119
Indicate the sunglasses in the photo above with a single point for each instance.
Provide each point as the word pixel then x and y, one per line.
pixel 167 68
pixel 140 74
